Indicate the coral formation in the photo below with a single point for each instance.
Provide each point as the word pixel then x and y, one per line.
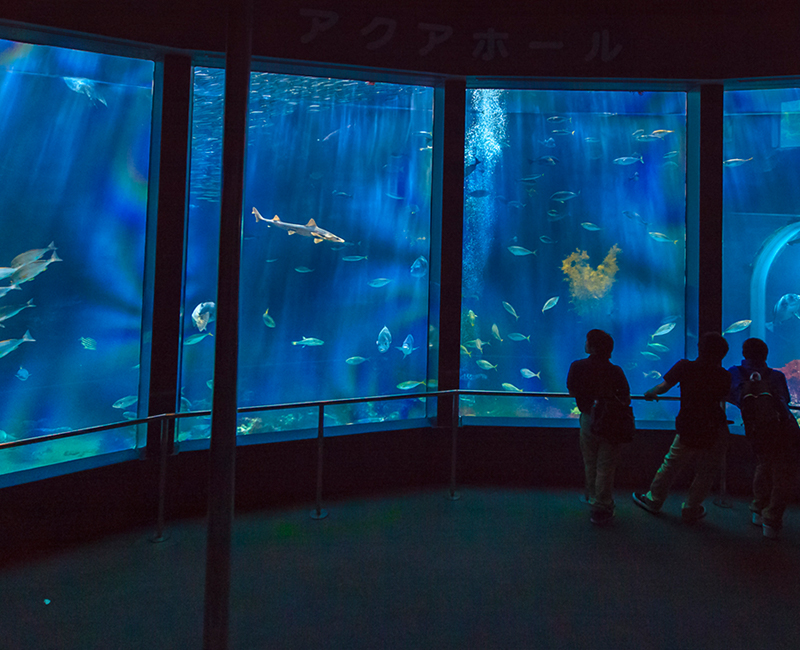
pixel 588 285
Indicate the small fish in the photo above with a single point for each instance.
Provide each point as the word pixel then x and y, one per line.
pixel 11 287
pixel 650 355
pixel 124 402
pixel 591 140
pixel 303 269
pixel 516 336
pixel 631 215
pixel 731 162
pixel 355 361
pixel 88 343
pixel 9 345
pixel 384 339
pixel 129 415
pixel 210 384
pixel 203 314
pixel 652 374
pixel 354 258
pixel 549 143
pixel 591 227
pixel 309 342
pixel 408 385
pixel 658 347
pixel 563 196
pixel 269 321
pixel 12 310
pixel 479 194
pixel 485 365
pixel 519 205
pixel 30 270
pixel 547 160
pixel 738 326
pixel 30 256
pixel 420 267
pixel 547 240
pixel 628 160
pixel 666 328
pixel 558 119
pixel 510 310
pixel 511 387
pixel 529 374
pixel 496 332
pixel 471 167
pixel 86 87
pixel 379 282
pixel 550 303
pixel 471 316
pixel 555 215
pixel 671 154
pixel 661 237
pixel 196 338
pixel 22 374
pixel 660 133
pixel 519 251
pixel 477 343
pixel 342 194
pixel 408 346
pixel 530 180
pixel 562 132
pixel 465 351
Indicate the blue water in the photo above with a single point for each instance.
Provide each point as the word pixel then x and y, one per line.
pixel 542 181
pixel 356 158
pixel 75 128
pixel 762 224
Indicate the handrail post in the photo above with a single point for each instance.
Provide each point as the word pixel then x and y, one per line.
pixel 454 496
pixel 162 482
pixel 319 512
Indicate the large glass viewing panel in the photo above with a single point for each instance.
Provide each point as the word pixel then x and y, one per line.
pixel 761 229
pixel 574 219
pixel 335 249
pixel 75 133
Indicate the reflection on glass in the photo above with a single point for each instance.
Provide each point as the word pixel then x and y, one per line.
pixel 761 291
pixel 75 132
pixel 335 246
pixel 574 218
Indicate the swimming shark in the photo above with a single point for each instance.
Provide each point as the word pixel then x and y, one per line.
pixel 309 230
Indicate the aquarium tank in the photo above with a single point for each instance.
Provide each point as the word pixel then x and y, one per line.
pixel 75 129
pixel 761 227
pixel 335 251
pixel 574 219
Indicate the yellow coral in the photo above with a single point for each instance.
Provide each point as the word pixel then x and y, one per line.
pixel 586 283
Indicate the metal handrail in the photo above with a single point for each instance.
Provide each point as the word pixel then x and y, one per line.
pixel 152 419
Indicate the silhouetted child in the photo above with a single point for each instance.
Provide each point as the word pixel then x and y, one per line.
pixel 701 427
pixel 589 379
pixel 763 396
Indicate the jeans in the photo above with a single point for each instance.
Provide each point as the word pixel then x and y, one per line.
pixel 708 462
pixel 773 483
pixel 600 458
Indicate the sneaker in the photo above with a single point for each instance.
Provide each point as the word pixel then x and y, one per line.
pixel 643 501
pixel 602 517
pixel 691 515
pixel 757 521
pixel 769 531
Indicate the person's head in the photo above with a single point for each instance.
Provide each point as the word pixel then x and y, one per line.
pixel 712 347
pixel 599 343
pixel 755 350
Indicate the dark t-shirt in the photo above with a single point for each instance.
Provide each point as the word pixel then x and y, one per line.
pixel 703 387
pixel 595 377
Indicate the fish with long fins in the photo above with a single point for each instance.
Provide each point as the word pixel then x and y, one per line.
pixel 311 229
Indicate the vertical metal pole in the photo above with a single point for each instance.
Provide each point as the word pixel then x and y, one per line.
pixel 318 512
pixel 222 454
pixel 454 496
pixel 162 482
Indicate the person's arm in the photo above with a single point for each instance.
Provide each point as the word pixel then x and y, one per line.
pixel 651 394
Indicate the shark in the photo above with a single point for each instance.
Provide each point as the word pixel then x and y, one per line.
pixel 311 229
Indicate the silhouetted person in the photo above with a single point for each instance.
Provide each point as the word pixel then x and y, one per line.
pixel 589 379
pixel 763 396
pixel 701 427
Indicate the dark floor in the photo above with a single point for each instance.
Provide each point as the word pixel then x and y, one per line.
pixel 498 568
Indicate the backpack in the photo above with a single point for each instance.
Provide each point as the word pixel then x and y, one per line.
pixel 612 419
pixel 758 405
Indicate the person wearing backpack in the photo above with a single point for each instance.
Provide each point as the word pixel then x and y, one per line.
pixel 590 381
pixel 701 427
pixel 762 395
